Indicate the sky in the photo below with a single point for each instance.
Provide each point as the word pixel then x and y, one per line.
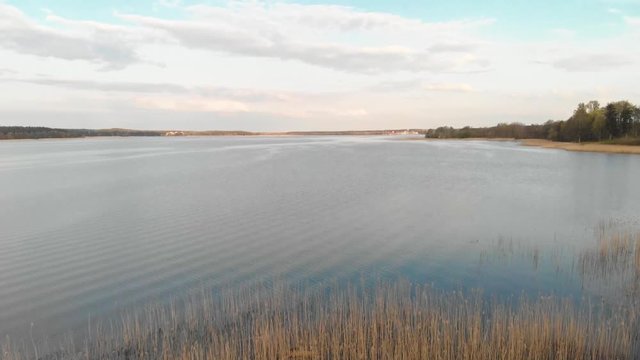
pixel 312 64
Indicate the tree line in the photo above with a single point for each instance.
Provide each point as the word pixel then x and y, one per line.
pixel 40 132
pixel 617 122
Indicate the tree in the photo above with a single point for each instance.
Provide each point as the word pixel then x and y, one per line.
pixel 583 122
pixel 626 119
pixel 611 120
pixel 593 106
pixel 636 122
pixel 599 125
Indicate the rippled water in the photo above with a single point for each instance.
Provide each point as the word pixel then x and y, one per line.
pixel 90 226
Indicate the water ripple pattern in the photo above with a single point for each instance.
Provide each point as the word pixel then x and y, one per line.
pixel 91 226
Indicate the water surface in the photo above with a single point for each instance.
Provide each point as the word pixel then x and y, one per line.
pixel 90 226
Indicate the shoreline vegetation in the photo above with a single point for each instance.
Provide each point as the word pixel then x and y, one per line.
pixel 396 320
pixel 29 132
pixel 583 147
pixel 614 128
pixel 382 320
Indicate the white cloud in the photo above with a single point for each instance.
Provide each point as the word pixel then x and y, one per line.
pixel 592 62
pixel 562 33
pixel 325 17
pixel 6 72
pixel 632 21
pixel 168 3
pixel 449 87
pixel 100 46
pixel 396 85
pixel 269 62
pixel 285 31
pixel 191 105
pixel 453 47
pixel 351 113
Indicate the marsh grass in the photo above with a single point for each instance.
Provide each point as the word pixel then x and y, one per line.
pixel 386 321
pixel 613 264
pixel 609 267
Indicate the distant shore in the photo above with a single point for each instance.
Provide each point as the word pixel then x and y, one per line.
pixel 548 144
pixel 582 147
pixel 39 132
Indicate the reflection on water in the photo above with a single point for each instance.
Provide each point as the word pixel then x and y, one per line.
pixel 91 226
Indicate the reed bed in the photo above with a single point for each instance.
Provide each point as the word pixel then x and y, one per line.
pixel 386 320
pixel 395 320
pixel 613 265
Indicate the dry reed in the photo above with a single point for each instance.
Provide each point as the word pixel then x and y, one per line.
pixel 613 264
pixel 387 321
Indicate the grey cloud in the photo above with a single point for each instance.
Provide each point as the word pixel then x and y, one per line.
pixel 263 33
pixel 106 86
pixel 7 72
pixel 326 17
pixel 397 86
pixel 323 16
pixel 156 88
pixel 233 40
pixel 415 84
pixel 591 62
pixel 449 87
pixel 100 46
pixel 452 47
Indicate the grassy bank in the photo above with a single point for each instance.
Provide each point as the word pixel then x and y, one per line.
pixel 586 147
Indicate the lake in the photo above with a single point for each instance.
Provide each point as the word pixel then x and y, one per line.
pixel 89 227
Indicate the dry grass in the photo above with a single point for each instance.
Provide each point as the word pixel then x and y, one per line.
pixel 388 321
pixel 585 147
pixel 613 264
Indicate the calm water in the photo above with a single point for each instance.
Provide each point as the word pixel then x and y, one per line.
pixel 90 226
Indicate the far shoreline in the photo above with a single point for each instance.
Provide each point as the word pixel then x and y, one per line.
pixel 582 147
pixel 592 147
pixel 548 144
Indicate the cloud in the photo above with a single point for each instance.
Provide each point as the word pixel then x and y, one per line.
pixel 591 62
pixel 105 86
pixel 191 105
pixel 351 113
pixel 449 87
pixel 325 17
pixel 100 46
pixel 563 33
pixel 4 71
pixel 416 84
pixel 396 85
pixel 279 31
pixel 168 3
pixel 198 99
pixel 247 95
pixel 452 47
pixel 283 32
pixel 632 21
